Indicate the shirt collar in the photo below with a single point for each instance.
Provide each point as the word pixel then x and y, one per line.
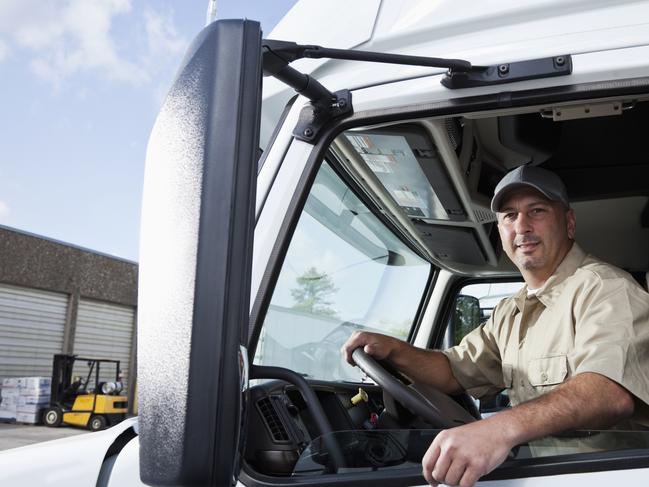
pixel 552 288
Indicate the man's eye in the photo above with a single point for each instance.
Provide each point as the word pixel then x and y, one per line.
pixel 537 212
pixel 510 216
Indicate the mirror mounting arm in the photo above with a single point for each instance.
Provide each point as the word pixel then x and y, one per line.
pixel 324 105
pixel 461 74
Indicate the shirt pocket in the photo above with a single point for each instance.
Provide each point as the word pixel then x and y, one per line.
pixel 547 371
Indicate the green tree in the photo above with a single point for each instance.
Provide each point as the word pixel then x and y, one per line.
pixel 467 316
pixel 313 292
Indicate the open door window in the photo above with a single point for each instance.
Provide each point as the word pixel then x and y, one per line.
pixel 196 248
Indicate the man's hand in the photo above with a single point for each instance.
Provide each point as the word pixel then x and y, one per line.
pixel 378 346
pixel 460 456
pixel 422 366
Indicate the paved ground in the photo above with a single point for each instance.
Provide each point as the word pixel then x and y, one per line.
pixel 15 435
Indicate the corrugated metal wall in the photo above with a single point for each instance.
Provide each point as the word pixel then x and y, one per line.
pixel 32 324
pixel 104 331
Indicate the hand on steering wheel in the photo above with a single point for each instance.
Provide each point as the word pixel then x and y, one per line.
pixel 432 405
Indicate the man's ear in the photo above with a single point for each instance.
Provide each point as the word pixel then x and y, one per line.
pixel 571 223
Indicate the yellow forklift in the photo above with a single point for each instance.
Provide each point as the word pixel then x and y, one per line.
pixel 85 401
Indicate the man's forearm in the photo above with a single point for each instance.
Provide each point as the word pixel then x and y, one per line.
pixel 426 367
pixel 587 401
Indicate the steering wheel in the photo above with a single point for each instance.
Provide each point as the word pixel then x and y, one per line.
pixel 430 404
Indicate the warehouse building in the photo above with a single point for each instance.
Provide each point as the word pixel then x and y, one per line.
pixel 58 298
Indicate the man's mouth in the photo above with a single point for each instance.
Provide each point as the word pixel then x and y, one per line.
pixel 527 246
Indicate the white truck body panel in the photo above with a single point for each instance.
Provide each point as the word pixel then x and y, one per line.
pixel 75 460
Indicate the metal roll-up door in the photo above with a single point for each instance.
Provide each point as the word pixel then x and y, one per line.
pixel 32 324
pixel 104 331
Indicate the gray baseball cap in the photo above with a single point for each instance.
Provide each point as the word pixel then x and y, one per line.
pixel 547 182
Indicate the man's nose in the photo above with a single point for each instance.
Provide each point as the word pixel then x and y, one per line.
pixel 522 224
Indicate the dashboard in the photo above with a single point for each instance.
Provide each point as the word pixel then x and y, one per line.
pixel 282 427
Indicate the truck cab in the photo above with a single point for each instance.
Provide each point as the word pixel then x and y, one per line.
pixel 276 223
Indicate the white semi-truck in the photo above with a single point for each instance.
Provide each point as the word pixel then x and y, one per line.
pixel 363 204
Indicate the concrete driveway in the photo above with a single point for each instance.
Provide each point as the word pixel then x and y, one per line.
pixel 15 435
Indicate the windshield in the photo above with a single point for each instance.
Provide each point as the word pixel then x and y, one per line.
pixel 344 271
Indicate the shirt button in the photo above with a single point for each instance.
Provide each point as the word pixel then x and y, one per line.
pixel 544 377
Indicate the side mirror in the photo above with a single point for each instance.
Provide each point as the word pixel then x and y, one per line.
pixel 196 242
pixel 466 316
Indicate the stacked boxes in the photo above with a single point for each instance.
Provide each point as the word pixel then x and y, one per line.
pixel 9 400
pixel 24 398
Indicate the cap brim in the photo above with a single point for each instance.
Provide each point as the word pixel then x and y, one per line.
pixel 498 198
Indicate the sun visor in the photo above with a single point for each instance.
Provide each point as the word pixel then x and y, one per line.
pixel 407 163
pixel 452 244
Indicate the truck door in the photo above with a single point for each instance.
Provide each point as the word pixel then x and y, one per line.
pixel 196 253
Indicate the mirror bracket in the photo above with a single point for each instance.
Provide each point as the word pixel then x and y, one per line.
pixel 316 114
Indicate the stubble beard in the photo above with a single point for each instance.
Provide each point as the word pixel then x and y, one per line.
pixel 530 263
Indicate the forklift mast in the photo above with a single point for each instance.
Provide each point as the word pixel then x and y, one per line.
pixel 62 369
pixel 61 375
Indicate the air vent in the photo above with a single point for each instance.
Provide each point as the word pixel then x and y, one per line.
pixel 271 418
pixel 483 215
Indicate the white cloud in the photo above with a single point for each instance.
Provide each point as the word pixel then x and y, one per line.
pixel 4 211
pixel 69 37
pixel 162 37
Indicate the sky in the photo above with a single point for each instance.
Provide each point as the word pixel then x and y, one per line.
pixel 81 84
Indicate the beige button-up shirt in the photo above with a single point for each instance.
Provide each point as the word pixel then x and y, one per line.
pixel 588 317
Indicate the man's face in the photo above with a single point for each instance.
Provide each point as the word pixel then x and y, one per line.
pixel 536 233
